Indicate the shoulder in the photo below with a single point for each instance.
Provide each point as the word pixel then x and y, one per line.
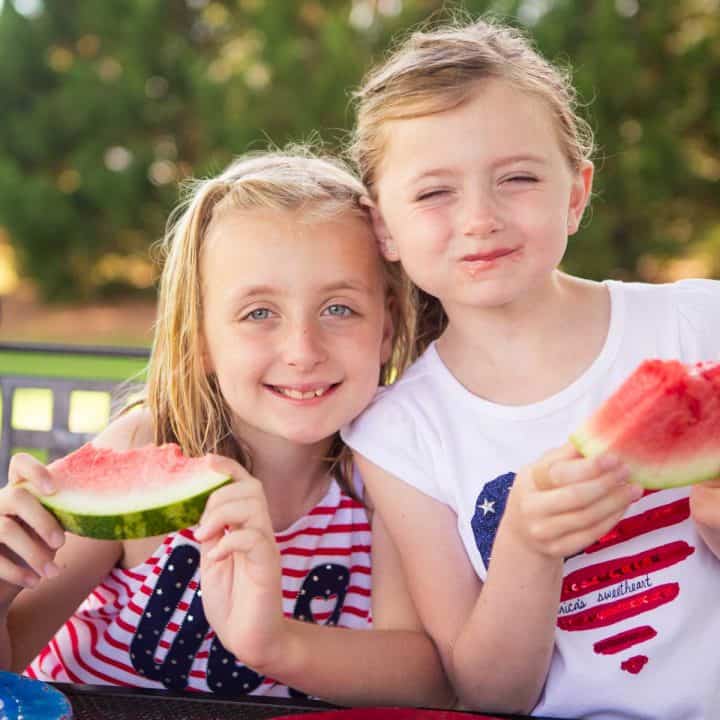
pixel 401 410
pixel 401 431
pixel 695 293
pixel 132 429
pixel 684 312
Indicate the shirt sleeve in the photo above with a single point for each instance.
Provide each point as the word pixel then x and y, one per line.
pixel 392 436
pixel 698 307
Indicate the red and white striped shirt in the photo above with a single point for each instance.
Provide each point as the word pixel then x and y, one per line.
pixel 145 627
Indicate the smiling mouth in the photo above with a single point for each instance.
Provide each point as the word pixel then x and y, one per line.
pixel 489 257
pixel 306 393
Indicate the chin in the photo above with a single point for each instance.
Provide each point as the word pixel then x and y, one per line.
pixel 305 437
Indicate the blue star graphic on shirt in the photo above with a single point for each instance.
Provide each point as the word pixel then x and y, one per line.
pixel 489 508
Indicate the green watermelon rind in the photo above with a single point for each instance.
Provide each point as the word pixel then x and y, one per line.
pixel 146 522
pixel 652 478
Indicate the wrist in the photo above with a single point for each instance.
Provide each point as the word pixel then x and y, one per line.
pixel 275 654
pixel 514 541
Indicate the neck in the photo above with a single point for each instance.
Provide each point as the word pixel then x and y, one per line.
pixel 294 477
pixel 547 337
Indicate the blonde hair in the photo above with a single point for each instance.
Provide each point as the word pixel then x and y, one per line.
pixel 440 69
pixel 186 404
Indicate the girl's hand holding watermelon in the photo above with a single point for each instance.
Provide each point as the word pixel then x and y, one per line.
pixel 240 568
pixel 29 534
pixel 564 502
pixel 705 511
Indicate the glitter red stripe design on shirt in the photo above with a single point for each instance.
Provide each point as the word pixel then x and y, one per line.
pixel 603 574
pixel 624 640
pixel 653 519
pixel 612 612
pixel 634 664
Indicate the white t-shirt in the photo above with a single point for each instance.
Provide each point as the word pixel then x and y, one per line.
pixel 638 631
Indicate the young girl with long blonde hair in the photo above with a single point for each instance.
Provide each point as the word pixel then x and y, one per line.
pixel 277 319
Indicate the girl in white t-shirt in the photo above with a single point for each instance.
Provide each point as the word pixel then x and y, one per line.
pixel 597 602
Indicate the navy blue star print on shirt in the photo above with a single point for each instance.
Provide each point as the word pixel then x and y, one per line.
pixel 225 676
pixel 489 508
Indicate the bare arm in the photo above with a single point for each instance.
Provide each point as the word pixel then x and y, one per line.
pixel 38 605
pixel 513 617
pixel 396 663
pixel 37 614
pixel 705 511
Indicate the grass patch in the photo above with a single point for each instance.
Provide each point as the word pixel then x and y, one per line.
pixel 80 366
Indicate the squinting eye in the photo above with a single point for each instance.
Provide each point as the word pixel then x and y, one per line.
pixel 339 310
pixel 430 194
pixel 259 314
pixel 521 178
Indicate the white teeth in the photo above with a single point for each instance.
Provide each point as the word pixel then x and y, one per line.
pixel 297 395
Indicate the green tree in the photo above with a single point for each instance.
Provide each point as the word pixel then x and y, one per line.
pixel 107 106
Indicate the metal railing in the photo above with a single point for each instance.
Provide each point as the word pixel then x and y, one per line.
pixel 59 439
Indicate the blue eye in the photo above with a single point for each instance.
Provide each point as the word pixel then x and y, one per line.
pixel 339 310
pixel 258 314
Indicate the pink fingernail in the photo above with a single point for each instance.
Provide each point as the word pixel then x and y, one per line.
pixel 57 539
pixel 51 570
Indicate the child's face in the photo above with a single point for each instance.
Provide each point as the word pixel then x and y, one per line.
pixel 478 201
pixel 295 319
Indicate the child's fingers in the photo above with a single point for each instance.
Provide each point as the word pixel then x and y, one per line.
pixel 245 511
pixel 579 469
pixel 24 468
pixel 585 493
pixel 541 470
pixel 27 546
pixel 610 504
pixel 705 504
pixel 247 488
pixel 248 541
pixel 228 466
pixel 15 573
pixel 17 502
pixel 579 539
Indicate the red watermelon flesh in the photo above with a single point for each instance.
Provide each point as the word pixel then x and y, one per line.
pixel 663 421
pixel 107 494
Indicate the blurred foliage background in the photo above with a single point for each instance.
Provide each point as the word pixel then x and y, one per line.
pixel 106 106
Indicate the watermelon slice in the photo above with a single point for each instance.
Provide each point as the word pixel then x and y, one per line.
pixel 663 421
pixel 153 490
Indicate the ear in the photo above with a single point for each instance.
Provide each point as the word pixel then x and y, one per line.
pixel 579 195
pixel 382 234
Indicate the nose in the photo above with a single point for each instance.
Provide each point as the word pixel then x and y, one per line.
pixel 480 216
pixel 304 346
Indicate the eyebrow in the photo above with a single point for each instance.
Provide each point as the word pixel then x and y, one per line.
pixel 247 293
